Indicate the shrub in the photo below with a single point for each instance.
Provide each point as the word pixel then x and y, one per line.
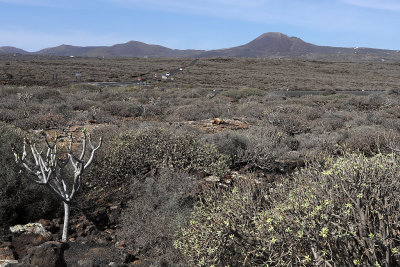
pixel 369 139
pixel 124 109
pixel 220 231
pixel 10 115
pixel 290 122
pixel 338 213
pixel 41 121
pixel 237 94
pixel 266 144
pixel 20 200
pixel 41 94
pixel 334 212
pixel 153 148
pixel 196 111
pixel 233 144
pixel 329 91
pixel 157 205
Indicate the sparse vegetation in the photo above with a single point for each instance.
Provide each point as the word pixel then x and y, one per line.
pixel 225 165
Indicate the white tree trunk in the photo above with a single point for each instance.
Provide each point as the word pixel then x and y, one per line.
pixel 66 221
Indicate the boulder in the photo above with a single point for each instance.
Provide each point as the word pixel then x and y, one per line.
pixel 48 254
pixel 7 252
pixel 28 235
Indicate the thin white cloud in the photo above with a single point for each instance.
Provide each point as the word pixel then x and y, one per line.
pixel 310 14
pixel 237 9
pixel 390 5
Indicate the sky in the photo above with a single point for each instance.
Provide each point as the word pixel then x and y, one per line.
pixel 198 24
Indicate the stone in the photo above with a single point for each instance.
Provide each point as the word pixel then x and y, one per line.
pixel 7 252
pixel 212 178
pixel 49 254
pixel 29 235
pixel 85 263
pixel 8 263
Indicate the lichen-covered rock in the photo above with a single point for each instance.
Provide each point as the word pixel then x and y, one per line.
pixel 35 228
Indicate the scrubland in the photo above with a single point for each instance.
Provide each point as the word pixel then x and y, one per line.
pixel 220 166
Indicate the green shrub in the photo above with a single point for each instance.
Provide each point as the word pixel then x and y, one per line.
pixel 221 231
pixel 150 149
pixel 341 212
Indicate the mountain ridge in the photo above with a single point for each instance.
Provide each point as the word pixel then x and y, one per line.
pixel 271 44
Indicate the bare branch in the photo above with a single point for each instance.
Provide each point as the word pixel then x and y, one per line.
pixel 48 170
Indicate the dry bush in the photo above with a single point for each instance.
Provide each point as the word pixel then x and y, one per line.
pixel 369 139
pixel 314 143
pixel 63 110
pixel 371 102
pixel 82 104
pixel 265 145
pixel 340 212
pixel 200 110
pixel 233 144
pixel 10 102
pixel 10 115
pixel 328 122
pixel 237 94
pixel 290 122
pixel 124 108
pixel 250 109
pixel 375 100
pixel 20 200
pixel 45 94
pixel 41 121
pixel 158 204
pixel 6 90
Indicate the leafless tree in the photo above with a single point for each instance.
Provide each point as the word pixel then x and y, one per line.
pixel 46 169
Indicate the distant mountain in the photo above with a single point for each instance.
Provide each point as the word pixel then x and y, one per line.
pixel 12 50
pixel 272 44
pixel 265 45
pixel 275 44
pixel 66 50
pixel 129 49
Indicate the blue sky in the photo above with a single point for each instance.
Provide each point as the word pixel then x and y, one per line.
pixel 198 24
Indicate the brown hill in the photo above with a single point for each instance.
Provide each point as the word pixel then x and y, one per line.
pixel 129 49
pixel 12 50
pixel 275 44
pixel 272 43
pixel 66 50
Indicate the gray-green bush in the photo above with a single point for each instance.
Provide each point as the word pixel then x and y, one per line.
pixel 341 212
pixel 153 148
